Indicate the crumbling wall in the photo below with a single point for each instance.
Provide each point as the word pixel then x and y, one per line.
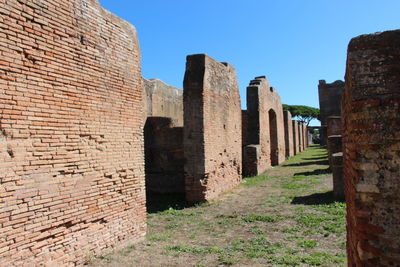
pixel 289 147
pixel 330 97
pixel 71 171
pixel 371 134
pixel 265 128
pixel 164 158
pixel 334 125
pixel 163 100
pixel 300 136
pixel 295 136
pixel 212 133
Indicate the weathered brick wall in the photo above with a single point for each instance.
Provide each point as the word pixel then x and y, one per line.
pixel 330 97
pixel 164 158
pixel 163 100
pixel 305 136
pixel 337 175
pixel 300 136
pixel 71 148
pixel 212 133
pixel 371 134
pixel 295 127
pixel 244 128
pixel 265 127
pixel 334 125
pixel 289 147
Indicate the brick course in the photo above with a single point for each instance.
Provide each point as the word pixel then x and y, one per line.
pixel 371 134
pixel 265 142
pixel 71 168
pixel 212 132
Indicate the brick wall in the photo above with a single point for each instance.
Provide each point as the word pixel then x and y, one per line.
pixel 371 134
pixel 330 95
pixel 163 100
pixel 163 156
pixel 71 148
pixel 265 128
pixel 289 147
pixel 334 125
pixel 212 133
pixel 295 127
pixel 300 136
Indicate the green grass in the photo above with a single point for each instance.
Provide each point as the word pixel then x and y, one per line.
pixel 261 218
pixel 276 230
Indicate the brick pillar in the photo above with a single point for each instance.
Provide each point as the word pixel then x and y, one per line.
pixel 371 138
pixel 213 128
pixel 295 137
pixel 289 149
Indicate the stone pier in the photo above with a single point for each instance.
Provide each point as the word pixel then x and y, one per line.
pixel 371 141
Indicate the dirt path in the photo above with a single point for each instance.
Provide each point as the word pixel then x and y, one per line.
pixel 286 217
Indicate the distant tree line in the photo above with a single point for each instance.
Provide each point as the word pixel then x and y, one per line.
pixel 304 114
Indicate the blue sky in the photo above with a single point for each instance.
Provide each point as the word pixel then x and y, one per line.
pixel 294 43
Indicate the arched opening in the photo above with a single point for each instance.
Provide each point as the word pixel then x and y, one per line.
pixel 273 137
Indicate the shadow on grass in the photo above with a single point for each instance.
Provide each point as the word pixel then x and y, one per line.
pixel 317 162
pixel 157 202
pixel 316 158
pixel 315 199
pixel 315 172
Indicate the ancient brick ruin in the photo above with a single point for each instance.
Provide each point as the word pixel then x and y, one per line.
pixel 264 145
pixel 289 146
pixel 163 138
pixel 84 136
pixel 330 95
pixel 163 100
pixel 330 99
pixel 371 134
pixel 72 161
pixel 212 132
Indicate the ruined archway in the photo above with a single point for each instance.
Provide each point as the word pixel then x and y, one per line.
pixel 273 137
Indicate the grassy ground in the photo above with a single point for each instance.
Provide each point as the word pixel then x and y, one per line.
pixel 286 217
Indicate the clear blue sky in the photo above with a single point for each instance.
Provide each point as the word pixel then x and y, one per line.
pixel 294 43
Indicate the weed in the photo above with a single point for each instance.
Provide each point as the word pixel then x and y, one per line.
pixel 261 218
pixel 307 244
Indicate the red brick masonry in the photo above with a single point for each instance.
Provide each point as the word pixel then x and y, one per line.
pixel 71 141
pixel 371 142
pixel 212 132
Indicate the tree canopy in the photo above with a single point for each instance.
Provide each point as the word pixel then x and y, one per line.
pixel 302 113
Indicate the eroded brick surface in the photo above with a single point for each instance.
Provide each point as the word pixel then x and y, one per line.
pixel 212 132
pixel 265 128
pixel 289 147
pixel 163 100
pixel 71 168
pixel 371 134
pixel 334 125
pixel 330 97
pixel 164 158
pixel 295 127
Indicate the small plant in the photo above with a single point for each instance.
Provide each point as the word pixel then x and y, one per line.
pixel 307 244
pixel 261 218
